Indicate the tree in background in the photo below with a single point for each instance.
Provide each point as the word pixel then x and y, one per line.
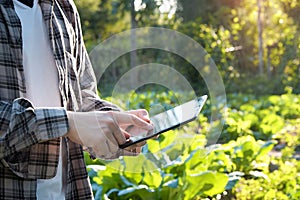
pixel 98 20
pixel 278 35
pixel 103 18
pixel 276 30
pixel 227 29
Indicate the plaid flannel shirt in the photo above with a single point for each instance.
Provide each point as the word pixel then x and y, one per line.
pixel 29 137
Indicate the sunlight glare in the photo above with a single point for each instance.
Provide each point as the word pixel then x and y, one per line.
pixel 168 6
pixel 165 6
pixel 139 5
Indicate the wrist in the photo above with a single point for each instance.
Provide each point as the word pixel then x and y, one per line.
pixel 72 133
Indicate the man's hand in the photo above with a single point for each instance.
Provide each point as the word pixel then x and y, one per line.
pixel 136 130
pixel 103 131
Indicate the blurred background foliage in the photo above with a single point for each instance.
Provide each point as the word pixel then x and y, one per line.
pixel 256 46
pixel 249 60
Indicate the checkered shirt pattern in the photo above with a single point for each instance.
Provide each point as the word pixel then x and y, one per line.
pixel 30 137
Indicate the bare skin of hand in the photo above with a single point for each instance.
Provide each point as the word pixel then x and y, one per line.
pixel 103 132
pixel 143 114
pixel 136 130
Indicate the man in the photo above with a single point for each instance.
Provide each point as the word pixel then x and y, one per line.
pixel 49 107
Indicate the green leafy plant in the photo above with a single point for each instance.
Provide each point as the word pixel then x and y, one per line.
pixel 256 159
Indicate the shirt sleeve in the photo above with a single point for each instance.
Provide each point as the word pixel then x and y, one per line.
pixel 88 83
pixel 21 125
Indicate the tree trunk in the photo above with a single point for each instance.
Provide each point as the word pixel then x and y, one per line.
pixel 269 61
pixel 260 40
pixel 133 55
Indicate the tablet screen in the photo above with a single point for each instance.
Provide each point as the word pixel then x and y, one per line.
pixel 171 119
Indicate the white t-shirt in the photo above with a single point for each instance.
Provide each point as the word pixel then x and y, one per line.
pixel 42 82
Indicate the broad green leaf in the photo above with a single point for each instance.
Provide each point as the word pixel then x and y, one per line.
pixel 248 149
pixel 126 181
pixel 275 100
pixel 152 179
pixel 252 118
pixel 170 193
pixel 167 139
pixel 272 123
pixel 206 183
pixel 265 148
pixel 131 164
pixel 196 161
pixel 134 178
pixel 153 146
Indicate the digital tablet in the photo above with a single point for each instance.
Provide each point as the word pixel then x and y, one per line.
pixel 170 119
